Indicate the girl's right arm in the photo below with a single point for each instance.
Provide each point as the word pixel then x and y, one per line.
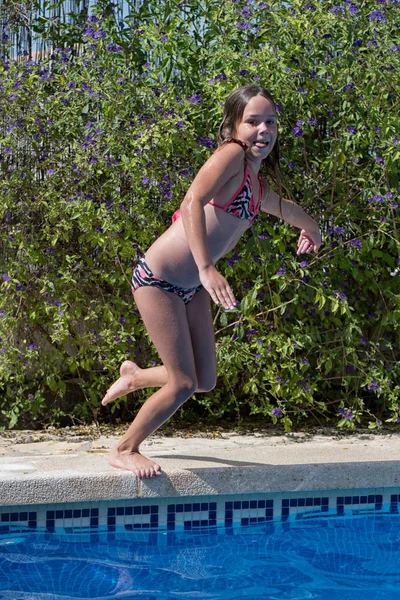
pixel 224 164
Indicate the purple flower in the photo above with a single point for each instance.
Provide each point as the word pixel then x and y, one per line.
pixel 312 121
pixel 353 10
pixel 145 180
pixel 206 142
pixel 346 414
pixel 356 243
pixel 376 15
pixel 236 257
pixel 303 264
pixel 298 132
pixel 373 386
pixel 292 164
pixel 303 384
pixel 195 99
pixel 282 270
pixel 99 34
pixel 364 341
pixel 6 277
pixel 180 125
pixel 305 361
pixel 379 159
pixel 280 380
pixel 243 25
pixel 352 130
pixel 164 38
pixel 336 9
pixel 338 230
pixel 276 412
pixel 377 198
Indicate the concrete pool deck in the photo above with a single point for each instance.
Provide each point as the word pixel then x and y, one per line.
pixel 73 470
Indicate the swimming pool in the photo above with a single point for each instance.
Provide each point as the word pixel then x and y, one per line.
pixel 321 545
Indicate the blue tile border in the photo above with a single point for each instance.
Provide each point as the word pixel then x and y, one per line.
pixel 197 513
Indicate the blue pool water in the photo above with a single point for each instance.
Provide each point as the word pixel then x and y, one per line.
pixel 335 558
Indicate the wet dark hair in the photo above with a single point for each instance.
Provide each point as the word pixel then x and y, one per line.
pixel 233 113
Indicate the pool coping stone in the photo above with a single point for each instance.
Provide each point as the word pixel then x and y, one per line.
pixel 75 471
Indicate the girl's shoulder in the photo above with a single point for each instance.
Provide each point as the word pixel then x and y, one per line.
pixel 232 155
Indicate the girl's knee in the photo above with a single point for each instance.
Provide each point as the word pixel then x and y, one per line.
pixel 207 386
pixel 184 387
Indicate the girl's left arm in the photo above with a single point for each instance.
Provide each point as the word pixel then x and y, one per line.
pixel 292 213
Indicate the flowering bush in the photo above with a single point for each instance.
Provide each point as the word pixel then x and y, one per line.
pixel 97 151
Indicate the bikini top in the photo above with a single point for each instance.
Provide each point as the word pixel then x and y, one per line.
pixel 242 203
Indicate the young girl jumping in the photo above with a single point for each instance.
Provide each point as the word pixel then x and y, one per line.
pixel 174 282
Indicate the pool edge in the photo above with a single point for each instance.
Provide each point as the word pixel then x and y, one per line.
pixel 67 486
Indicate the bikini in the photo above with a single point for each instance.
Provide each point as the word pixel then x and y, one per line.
pixel 241 205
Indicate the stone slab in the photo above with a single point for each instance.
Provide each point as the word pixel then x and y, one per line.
pixel 46 472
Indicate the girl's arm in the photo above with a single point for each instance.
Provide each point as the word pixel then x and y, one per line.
pixel 292 213
pixel 224 164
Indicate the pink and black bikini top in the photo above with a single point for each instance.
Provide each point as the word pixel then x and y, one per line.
pixel 242 203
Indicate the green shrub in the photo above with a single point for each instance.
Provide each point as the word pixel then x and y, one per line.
pixel 97 151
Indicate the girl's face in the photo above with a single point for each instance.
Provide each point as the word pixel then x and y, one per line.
pixel 258 127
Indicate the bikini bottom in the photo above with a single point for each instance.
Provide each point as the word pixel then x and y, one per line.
pixel 143 276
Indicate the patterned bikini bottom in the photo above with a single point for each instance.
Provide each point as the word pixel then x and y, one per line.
pixel 142 276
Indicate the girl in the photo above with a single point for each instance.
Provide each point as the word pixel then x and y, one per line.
pixel 175 281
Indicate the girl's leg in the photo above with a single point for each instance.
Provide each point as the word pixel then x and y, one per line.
pixel 134 378
pixel 165 319
pixel 201 328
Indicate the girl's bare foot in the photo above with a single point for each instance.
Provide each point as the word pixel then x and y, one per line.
pixel 135 462
pixel 128 382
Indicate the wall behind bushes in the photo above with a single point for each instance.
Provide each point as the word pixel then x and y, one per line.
pixel 97 149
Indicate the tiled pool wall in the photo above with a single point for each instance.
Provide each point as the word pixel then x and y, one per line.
pixel 196 513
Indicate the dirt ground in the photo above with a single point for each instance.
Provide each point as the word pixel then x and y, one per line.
pixel 93 432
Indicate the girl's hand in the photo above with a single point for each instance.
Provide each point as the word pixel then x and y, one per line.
pixel 217 286
pixel 308 241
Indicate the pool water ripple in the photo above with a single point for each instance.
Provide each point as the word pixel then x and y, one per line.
pixel 355 558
